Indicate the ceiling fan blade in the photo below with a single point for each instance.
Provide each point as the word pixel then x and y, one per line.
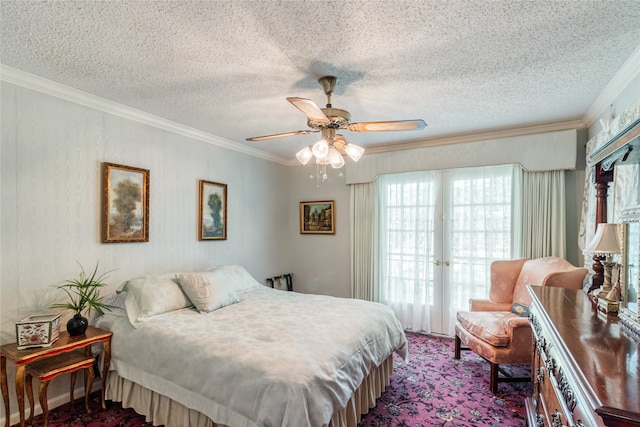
pixel 280 135
pixel 310 109
pixel 387 126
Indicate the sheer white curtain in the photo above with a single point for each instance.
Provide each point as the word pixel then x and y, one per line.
pixel 541 224
pixel 362 200
pixel 405 237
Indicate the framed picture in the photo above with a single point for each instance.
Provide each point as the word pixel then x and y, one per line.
pixel 125 204
pixel 212 222
pixel 283 282
pixel 317 217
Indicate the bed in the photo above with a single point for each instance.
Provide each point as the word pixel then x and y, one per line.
pixel 218 348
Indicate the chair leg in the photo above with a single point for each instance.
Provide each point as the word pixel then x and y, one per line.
pixel 458 344
pixel 493 378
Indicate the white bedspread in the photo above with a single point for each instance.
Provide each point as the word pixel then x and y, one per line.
pixel 275 358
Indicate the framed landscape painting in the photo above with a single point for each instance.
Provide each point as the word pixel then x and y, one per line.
pixel 125 204
pixel 317 217
pixel 212 221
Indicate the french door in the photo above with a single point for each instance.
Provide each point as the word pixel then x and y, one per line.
pixel 438 232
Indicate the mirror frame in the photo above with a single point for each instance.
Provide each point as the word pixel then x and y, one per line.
pixel 629 318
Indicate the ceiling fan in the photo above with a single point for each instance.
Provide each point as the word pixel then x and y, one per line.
pixel 328 120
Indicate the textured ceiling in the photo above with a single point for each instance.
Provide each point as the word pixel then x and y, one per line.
pixel 224 67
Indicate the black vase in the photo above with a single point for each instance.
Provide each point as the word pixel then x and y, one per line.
pixel 77 325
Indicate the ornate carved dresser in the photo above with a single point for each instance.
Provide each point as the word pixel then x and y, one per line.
pixel 585 364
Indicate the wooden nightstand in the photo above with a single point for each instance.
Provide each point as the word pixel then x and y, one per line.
pixel 64 344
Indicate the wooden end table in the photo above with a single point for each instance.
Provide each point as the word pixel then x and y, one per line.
pixel 64 344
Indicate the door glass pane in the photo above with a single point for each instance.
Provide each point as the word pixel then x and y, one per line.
pixel 405 206
pixel 480 230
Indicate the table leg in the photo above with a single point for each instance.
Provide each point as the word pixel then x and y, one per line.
pixel 105 369
pixel 88 382
pixel 44 403
pixel 74 375
pixel 29 385
pixel 5 390
pixel 20 371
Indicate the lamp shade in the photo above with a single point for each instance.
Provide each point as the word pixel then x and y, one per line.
pixel 335 158
pixel 605 241
pixel 304 155
pixel 320 149
pixel 354 151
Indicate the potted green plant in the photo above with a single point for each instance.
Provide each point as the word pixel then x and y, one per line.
pixel 84 295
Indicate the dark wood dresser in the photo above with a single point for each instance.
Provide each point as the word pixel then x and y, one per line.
pixel 585 364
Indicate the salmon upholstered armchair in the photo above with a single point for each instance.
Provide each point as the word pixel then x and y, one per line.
pixel 498 328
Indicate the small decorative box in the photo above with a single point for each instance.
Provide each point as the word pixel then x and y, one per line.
pixel 608 306
pixel 38 330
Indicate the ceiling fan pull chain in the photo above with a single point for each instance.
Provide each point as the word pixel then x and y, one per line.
pixel 321 174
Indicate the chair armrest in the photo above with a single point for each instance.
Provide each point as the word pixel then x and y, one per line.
pixel 488 305
pixel 518 329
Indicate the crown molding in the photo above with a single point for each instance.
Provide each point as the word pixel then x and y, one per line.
pixel 629 70
pixel 477 137
pixel 49 87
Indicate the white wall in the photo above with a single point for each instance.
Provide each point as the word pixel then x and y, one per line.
pixel 627 97
pixel 51 155
pixel 574 195
pixel 321 262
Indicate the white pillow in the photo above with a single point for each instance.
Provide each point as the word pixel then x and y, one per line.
pixel 116 304
pixel 209 290
pixel 150 296
pixel 240 278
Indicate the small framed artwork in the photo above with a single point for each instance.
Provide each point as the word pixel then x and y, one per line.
pixel 212 222
pixel 318 217
pixel 125 204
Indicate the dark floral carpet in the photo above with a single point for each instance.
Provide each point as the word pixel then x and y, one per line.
pixel 432 389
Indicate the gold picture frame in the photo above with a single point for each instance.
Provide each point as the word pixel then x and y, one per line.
pixel 212 212
pixel 125 204
pixel 318 217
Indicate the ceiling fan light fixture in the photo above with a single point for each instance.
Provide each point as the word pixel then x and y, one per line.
pixel 304 155
pixel 354 152
pixel 323 161
pixel 335 158
pixel 320 149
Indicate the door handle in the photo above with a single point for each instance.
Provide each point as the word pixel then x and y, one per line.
pixel 447 263
pixel 436 262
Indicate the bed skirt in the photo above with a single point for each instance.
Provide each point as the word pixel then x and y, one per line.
pixel 161 410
